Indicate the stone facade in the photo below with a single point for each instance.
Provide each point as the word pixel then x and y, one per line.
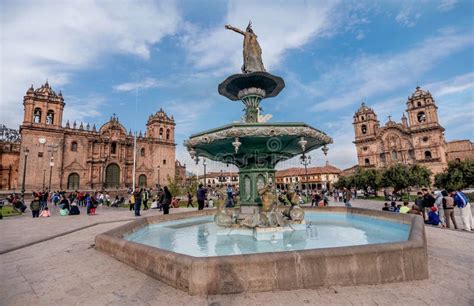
pixel 318 178
pixel 419 138
pixel 81 157
pixel 217 179
pixel 9 161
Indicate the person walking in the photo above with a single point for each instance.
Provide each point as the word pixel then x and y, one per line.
pixel 201 197
pixel 146 196
pixel 347 197
pixel 461 201
pixel 190 200
pixel 440 209
pixel 131 202
pixel 138 201
pixel 448 206
pixel 35 207
pixel 167 196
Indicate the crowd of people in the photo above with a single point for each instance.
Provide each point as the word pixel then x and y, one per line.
pixel 438 210
pixel 435 209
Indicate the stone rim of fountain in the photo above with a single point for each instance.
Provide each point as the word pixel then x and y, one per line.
pixel 287 270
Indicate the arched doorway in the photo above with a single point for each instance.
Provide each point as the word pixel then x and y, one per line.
pixel 112 176
pixel 73 181
pixel 142 181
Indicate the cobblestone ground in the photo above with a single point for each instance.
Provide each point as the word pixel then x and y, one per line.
pixel 67 271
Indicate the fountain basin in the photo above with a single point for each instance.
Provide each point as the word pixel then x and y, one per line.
pixel 402 260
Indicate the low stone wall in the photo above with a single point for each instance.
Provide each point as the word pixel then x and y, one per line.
pixel 345 266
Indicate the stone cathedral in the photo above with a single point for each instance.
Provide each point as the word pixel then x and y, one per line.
pixel 419 138
pixel 78 156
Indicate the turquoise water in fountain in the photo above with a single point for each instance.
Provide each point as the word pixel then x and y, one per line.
pixel 199 237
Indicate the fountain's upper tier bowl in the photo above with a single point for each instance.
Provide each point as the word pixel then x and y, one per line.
pixel 256 141
pixel 269 83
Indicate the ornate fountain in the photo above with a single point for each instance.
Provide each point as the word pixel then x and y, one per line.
pixel 191 252
pixel 255 147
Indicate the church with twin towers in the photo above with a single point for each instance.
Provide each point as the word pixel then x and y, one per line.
pixel 417 139
pixel 71 155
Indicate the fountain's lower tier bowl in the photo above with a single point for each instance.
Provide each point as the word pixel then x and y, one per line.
pixel 378 263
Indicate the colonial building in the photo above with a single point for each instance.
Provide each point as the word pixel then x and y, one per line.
pixel 217 179
pixel 313 178
pixel 419 138
pixel 73 156
pixel 9 158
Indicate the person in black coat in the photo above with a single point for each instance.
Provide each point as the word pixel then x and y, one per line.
pixel 167 196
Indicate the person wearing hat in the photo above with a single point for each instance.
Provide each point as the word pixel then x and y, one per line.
pixel 35 207
pixel 433 218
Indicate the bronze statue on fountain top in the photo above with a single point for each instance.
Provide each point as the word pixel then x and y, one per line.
pixel 252 51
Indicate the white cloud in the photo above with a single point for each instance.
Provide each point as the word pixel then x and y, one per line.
pixel 143 84
pixel 447 5
pixel 81 109
pixel 279 26
pixel 408 17
pixel 54 39
pixel 372 75
pixel 457 84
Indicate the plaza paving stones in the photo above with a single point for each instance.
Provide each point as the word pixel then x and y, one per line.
pixel 66 270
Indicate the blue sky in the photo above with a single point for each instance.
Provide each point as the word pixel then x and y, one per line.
pixel 106 55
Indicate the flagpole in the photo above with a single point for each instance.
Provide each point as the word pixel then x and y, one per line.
pixel 134 158
pixel 135 138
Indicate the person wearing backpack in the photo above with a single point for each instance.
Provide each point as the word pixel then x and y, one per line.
pixel 35 207
pixel 448 207
pixel 461 201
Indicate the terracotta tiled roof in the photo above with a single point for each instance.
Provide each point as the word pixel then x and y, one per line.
pixel 328 169
pixel 217 174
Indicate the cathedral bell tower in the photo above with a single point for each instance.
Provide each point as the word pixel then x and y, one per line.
pixel 161 127
pixel 43 107
pixel 422 111
pixel 365 123
pixel 427 133
pixel 366 127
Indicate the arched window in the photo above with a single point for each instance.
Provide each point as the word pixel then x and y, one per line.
pixel 421 116
pixel 113 148
pixel 363 129
pixel 362 118
pixel 164 161
pixel 142 181
pixel 74 146
pixel 50 117
pixel 428 155
pixel 419 104
pixel 167 134
pixel 367 162
pixel 37 115
pixel 73 181
pixel 161 133
pixel 394 155
pixel 142 152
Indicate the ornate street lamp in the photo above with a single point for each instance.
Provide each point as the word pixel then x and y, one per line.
pixel 25 152
pixel 305 161
pixel 204 164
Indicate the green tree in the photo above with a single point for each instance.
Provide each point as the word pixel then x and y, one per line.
pixel 396 176
pixel 458 175
pixel 344 181
pixel 174 186
pixel 420 176
pixel 193 185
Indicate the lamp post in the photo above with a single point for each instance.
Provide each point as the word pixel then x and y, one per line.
pixel 51 165
pixel 204 164
pixel 158 184
pixel 51 149
pixel 25 152
pixel 305 161
pixel 44 177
